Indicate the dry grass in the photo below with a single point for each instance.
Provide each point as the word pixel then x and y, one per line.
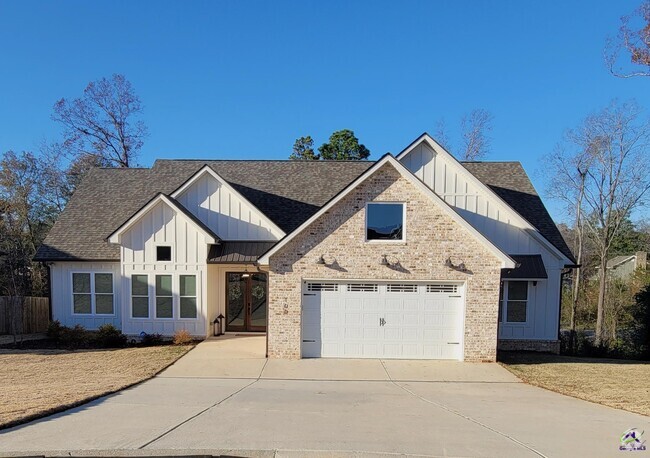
pixel 621 384
pixel 34 383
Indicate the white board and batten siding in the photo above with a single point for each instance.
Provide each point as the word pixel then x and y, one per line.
pixel 161 226
pixel 62 302
pixel 225 212
pixel 501 225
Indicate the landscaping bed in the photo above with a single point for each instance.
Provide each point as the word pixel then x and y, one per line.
pixel 622 384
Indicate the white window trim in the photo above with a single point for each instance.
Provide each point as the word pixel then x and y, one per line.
pixel 149 287
pixel 365 229
pixel 171 249
pixel 174 295
pixel 176 301
pixel 196 296
pixel 504 304
pixel 92 293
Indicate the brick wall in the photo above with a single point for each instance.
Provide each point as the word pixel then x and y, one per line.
pixel 431 237
pixel 548 346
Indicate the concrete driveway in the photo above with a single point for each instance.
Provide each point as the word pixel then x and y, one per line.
pixel 225 398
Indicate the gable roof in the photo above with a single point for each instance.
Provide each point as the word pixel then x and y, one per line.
pixel 513 188
pixel 389 159
pixel 511 183
pixel 106 198
pixel 206 169
pixel 618 260
pixel 211 237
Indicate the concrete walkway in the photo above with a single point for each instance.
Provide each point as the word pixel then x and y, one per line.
pixel 328 408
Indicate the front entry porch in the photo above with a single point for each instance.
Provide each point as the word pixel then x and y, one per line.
pixel 237 299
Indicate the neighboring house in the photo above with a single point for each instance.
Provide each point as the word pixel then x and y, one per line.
pixel 622 267
pixel 413 256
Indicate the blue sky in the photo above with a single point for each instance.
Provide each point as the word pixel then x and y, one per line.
pixel 244 79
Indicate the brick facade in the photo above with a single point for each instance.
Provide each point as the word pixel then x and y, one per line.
pixel 547 346
pixel 431 237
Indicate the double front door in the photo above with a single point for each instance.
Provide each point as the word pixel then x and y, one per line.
pixel 246 302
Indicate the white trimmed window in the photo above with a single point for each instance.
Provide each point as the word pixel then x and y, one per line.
pixel 187 294
pixel 140 296
pixel 385 221
pixel 92 293
pixel 164 297
pixel 513 301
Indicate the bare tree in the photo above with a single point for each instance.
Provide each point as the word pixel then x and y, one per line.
pixel 617 180
pixel 568 175
pixel 103 122
pixel 475 129
pixel 633 42
pixel 441 136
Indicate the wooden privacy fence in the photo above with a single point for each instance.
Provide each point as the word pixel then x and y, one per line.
pixel 24 315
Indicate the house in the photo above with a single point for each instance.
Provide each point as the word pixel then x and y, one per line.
pixel 622 267
pixel 412 256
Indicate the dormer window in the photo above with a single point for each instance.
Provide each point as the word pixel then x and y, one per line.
pixel 163 253
pixel 385 221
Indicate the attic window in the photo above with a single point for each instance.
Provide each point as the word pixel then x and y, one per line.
pixel 385 221
pixel 163 253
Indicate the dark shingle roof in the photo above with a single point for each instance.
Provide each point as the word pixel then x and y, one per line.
pixel 288 192
pixel 510 182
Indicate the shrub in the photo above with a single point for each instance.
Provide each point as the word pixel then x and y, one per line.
pixel 74 337
pixel 54 330
pixel 182 337
pixel 108 336
pixel 150 340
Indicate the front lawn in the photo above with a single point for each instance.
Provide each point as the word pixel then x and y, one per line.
pixel 34 383
pixel 622 384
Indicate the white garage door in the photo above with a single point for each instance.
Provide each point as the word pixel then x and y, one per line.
pixel 382 320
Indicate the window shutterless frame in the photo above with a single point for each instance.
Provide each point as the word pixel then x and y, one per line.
pixel 164 248
pixel 92 293
pixel 504 299
pixel 131 296
pixel 403 239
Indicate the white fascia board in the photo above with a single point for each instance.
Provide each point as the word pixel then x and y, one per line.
pixel 116 236
pixel 506 261
pixel 531 230
pixel 207 169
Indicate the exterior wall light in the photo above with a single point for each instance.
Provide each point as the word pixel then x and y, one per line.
pixel 321 261
pixel 459 267
pixel 384 261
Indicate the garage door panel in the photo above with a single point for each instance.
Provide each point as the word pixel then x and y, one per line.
pixel 383 320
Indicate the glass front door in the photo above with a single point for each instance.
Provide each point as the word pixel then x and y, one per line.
pixel 246 302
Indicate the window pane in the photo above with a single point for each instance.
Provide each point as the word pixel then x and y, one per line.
pixel 516 312
pixel 104 304
pixel 140 307
pixel 518 290
pixel 82 303
pixel 188 285
pixel 81 283
pixel 139 285
pixel 163 285
pixel 164 253
pixel 385 221
pixel 164 307
pixel 188 307
pixel 104 283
